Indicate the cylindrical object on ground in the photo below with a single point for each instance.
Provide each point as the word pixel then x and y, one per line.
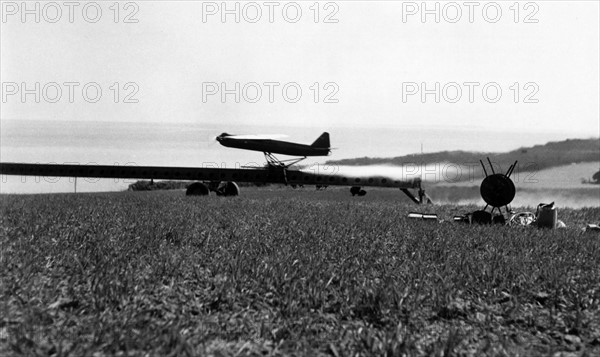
pixel 547 216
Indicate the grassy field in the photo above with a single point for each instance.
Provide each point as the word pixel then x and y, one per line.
pixel 281 272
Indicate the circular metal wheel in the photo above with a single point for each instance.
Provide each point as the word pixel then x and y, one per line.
pixel 522 219
pixel 231 189
pixel 197 189
pixel 497 190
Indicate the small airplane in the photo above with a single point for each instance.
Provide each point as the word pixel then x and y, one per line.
pixel 222 180
pixel 268 146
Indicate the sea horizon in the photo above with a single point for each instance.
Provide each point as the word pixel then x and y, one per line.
pixel 192 145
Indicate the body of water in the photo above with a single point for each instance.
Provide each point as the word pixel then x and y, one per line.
pixel 193 145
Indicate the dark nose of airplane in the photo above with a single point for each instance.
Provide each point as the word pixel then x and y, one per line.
pixel 221 137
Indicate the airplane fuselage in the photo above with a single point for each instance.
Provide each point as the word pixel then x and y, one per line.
pixel 274 147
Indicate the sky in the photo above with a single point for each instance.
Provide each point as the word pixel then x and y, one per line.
pixel 487 66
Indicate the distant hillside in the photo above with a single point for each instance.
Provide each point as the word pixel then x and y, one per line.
pixel 543 156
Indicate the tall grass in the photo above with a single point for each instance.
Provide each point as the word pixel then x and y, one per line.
pixel 277 272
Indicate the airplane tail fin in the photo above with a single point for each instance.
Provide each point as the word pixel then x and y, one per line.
pixel 322 141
